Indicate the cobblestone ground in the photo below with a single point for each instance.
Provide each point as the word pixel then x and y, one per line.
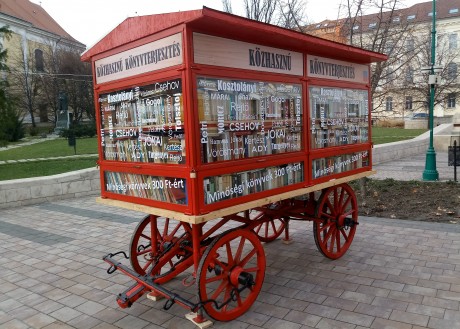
pixel 397 274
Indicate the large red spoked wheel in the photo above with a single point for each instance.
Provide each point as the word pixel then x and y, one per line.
pixel 173 245
pixel 336 220
pixel 271 226
pixel 231 274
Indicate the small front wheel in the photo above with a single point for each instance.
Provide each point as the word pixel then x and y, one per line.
pixel 172 241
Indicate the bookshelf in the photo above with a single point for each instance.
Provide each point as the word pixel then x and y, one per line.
pixel 158 188
pixel 230 186
pixel 241 119
pixel 338 116
pixel 336 164
pixel 144 123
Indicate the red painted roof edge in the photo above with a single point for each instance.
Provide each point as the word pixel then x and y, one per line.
pixel 139 27
pixel 288 33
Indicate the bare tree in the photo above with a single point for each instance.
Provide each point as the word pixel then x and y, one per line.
pixel 445 59
pixel 77 84
pixel 227 6
pixel 292 14
pixel 65 73
pixel 285 13
pixel 24 83
pixel 38 84
pixel 387 32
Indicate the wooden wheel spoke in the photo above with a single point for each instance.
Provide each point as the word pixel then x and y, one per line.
pixel 330 239
pixel 227 294
pixel 219 289
pixel 251 269
pixel 274 226
pixel 143 252
pixel 326 226
pixel 224 266
pixel 329 205
pixel 342 193
pixel 238 299
pixel 337 239
pixel 147 264
pixel 166 227
pixel 229 253
pixel 144 236
pixel 345 204
pixel 258 228
pixel 329 216
pixel 173 233
pixel 344 234
pixel 239 251
pixel 328 235
pixel 267 226
pixel 216 278
pixel 247 258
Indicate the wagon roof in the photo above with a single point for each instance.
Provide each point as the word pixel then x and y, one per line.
pixel 210 21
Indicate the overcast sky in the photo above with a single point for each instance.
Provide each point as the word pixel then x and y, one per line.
pixel 90 20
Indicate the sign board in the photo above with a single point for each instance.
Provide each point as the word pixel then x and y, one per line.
pixel 242 55
pixel 451 157
pixel 153 56
pixel 326 68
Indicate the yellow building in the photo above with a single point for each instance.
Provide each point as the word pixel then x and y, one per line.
pixel 401 89
pixel 35 51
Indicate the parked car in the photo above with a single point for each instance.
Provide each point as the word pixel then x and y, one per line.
pixel 420 116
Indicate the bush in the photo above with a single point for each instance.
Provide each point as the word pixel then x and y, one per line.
pixel 11 127
pixel 80 130
pixel 33 131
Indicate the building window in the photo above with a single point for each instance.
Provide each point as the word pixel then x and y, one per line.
pixel 408 102
pixel 409 78
pixel 396 19
pixel 389 48
pixel 453 11
pixel 390 75
pixel 451 100
pixel 356 27
pixel 452 71
pixel 410 17
pixel 39 65
pixel 389 104
pixel 410 45
pixel 453 41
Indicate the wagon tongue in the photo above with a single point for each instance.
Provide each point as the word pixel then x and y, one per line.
pixel 144 284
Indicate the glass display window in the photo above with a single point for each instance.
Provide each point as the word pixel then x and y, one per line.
pixel 144 123
pixel 241 119
pixel 338 116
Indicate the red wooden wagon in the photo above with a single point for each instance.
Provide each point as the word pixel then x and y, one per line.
pixel 208 121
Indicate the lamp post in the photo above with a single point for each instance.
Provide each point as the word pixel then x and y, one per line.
pixel 431 173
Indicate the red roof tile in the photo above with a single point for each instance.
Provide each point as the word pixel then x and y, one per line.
pixel 35 15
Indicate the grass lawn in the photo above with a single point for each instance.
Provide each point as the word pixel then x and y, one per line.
pixel 382 135
pixel 59 147
pixel 43 168
pixel 51 148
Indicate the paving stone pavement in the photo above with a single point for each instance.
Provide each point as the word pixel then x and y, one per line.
pixel 397 274
pixel 411 168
